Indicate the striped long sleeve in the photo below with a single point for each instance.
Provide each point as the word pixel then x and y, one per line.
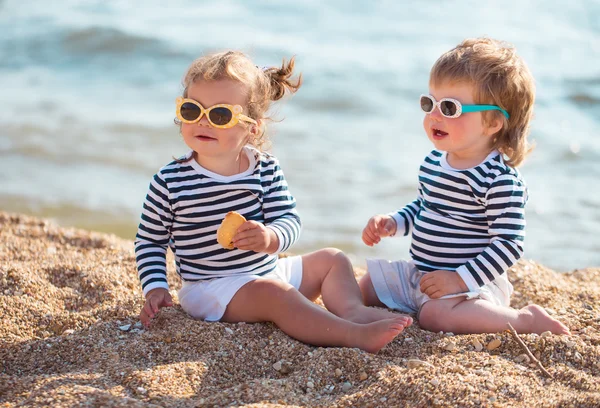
pixel 186 204
pixel 505 212
pixel 153 236
pixel 280 211
pixel 405 217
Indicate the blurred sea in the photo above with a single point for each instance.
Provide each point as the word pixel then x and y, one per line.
pixel 87 92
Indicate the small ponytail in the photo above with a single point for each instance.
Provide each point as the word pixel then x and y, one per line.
pixel 279 79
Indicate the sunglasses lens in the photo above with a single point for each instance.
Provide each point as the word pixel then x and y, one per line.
pixel 426 104
pixel 448 108
pixel 220 116
pixel 189 111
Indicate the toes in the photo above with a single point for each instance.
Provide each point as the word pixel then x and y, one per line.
pixel 406 320
pixel 565 330
pixel 396 327
pixel 398 324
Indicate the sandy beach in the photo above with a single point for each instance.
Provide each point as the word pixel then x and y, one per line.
pixel 69 336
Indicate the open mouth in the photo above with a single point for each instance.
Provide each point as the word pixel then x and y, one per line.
pixel 438 134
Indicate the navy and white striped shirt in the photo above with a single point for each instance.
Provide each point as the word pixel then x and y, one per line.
pixel 471 221
pixel 186 204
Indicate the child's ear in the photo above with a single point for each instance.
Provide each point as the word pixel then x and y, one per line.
pixel 255 129
pixel 494 125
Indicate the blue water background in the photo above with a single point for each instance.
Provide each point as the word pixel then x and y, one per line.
pixel 87 93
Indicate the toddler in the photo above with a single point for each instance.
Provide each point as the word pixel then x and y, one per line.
pixel 222 115
pixel 468 221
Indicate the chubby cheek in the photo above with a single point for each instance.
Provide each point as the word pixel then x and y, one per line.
pixel 187 132
pixel 460 128
pixel 426 125
pixel 185 129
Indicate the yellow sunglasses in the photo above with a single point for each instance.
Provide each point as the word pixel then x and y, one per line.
pixel 221 116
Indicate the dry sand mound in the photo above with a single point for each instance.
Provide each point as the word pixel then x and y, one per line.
pixel 65 293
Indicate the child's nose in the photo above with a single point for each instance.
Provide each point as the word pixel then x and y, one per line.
pixel 203 121
pixel 436 114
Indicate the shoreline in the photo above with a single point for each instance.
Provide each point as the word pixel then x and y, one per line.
pixel 67 297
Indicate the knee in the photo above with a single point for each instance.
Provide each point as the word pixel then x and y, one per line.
pixel 333 253
pixel 334 257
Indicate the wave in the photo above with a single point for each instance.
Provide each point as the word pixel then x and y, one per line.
pixel 118 146
pixel 71 47
pixel 584 99
pixel 119 221
pixel 94 40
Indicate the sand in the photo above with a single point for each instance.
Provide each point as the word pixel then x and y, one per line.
pixel 67 296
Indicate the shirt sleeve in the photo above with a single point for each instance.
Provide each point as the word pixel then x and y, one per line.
pixel 505 212
pixel 279 208
pixel 152 238
pixel 406 216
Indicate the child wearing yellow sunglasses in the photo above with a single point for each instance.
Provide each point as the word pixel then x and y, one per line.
pixel 222 115
pixel 468 221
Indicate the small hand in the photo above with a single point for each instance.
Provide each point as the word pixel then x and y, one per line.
pixel 155 300
pixel 379 226
pixel 441 283
pixel 254 236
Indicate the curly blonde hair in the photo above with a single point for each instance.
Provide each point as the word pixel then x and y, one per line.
pixel 265 85
pixel 499 77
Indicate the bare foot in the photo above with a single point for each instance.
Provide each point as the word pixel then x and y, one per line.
pixel 365 314
pixel 374 336
pixel 541 321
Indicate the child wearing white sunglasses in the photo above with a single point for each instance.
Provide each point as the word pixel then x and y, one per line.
pixel 468 222
pixel 222 115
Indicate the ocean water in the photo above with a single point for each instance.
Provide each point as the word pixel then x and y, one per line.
pixel 87 93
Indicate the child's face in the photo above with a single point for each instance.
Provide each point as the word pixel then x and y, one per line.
pixel 209 142
pixel 466 138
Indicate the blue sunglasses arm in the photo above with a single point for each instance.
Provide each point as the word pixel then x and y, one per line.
pixel 480 108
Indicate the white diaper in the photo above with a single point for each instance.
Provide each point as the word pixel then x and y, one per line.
pixel 208 299
pixel 397 284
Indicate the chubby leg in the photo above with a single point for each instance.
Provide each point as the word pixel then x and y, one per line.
pixel 368 291
pixel 328 272
pixel 458 315
pixel 271 300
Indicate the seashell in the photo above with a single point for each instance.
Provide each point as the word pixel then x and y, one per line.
pixel 286 368
pixel 416 363
pixel 494 344
pixel 450 346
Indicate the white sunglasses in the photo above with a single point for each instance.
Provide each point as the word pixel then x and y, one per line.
pixel 451 108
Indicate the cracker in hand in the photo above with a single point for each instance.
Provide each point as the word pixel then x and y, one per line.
pixel 228 228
